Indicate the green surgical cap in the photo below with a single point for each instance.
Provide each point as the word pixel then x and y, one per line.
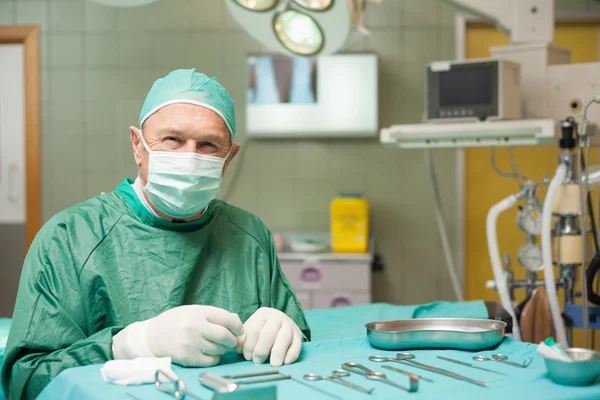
pixel 189 86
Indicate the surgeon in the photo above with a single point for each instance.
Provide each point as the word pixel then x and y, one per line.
pixel 158 267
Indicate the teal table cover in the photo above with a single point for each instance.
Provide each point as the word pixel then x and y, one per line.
pixel 339 337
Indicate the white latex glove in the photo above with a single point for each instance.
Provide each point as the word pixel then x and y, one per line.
pixel 269 331
pixel 193 336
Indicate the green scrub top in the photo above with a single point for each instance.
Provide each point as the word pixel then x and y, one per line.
pixel 106 263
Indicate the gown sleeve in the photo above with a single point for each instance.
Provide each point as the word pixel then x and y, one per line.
pixel 48 333
pixel 282 295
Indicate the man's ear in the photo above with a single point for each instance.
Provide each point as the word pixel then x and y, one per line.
pixel 235 149
pixel 136 143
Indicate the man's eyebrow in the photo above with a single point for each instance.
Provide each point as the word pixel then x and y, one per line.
pixel 171 131
pixel 205 137
pixel 211 137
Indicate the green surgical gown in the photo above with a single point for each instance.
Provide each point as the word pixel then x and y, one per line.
pixel 105 263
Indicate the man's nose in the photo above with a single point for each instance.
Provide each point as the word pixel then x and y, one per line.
pixel 189 146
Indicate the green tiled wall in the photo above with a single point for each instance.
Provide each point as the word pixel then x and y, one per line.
pixel 98 63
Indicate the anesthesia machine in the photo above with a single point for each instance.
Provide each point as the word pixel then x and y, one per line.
pixel 528 93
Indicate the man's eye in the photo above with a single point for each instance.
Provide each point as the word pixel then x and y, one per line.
pixel 171 139
pixel 207 145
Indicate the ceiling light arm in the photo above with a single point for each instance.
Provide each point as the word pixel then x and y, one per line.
pixel 525 21
pixel 282 6
pixel 486 10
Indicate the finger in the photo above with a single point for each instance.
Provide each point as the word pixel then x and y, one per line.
pixel 211 348
pixel 199 360
pixel 226 319
pixel 295 348
pixel 281 345
pixel 220 335
pixel 253 328
pixel 266 339
pixel 240 346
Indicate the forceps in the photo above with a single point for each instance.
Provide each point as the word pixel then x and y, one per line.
pixel 380 376
pixel 407 359
pixel 401 371
pixel 466 364
pixel 504 359
pixel 337 377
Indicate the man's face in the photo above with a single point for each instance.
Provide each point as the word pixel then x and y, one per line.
pixel 183 128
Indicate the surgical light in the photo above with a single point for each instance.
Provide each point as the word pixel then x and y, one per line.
pixel 315 5
pixel 298 32
pixel 257 5
pixel 305 28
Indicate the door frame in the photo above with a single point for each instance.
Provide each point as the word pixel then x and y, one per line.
pixel 29 37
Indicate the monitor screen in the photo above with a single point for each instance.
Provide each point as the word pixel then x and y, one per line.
pixel 328 96
pixel 276 79
pixel 466 86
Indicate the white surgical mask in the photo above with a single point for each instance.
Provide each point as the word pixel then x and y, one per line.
pixel 181 185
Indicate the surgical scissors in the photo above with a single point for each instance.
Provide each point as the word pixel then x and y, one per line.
pixel 337 376
pixel 380 376
pixel 407 359
pixel 504 359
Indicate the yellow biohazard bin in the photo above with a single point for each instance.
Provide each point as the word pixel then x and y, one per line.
pixel 349 215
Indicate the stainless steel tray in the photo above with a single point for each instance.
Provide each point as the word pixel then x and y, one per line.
pixel 436 333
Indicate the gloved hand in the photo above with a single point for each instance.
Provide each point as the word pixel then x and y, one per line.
pixel 193 336
pixel 269 331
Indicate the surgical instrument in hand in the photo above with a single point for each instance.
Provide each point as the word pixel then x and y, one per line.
pixel 466 364
pixel 401 371
pixel 504 359
pixel 337 377
pixel 380 376
pixel 407 359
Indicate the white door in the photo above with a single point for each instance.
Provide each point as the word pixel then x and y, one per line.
pixel 12 135
pixel 12 174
